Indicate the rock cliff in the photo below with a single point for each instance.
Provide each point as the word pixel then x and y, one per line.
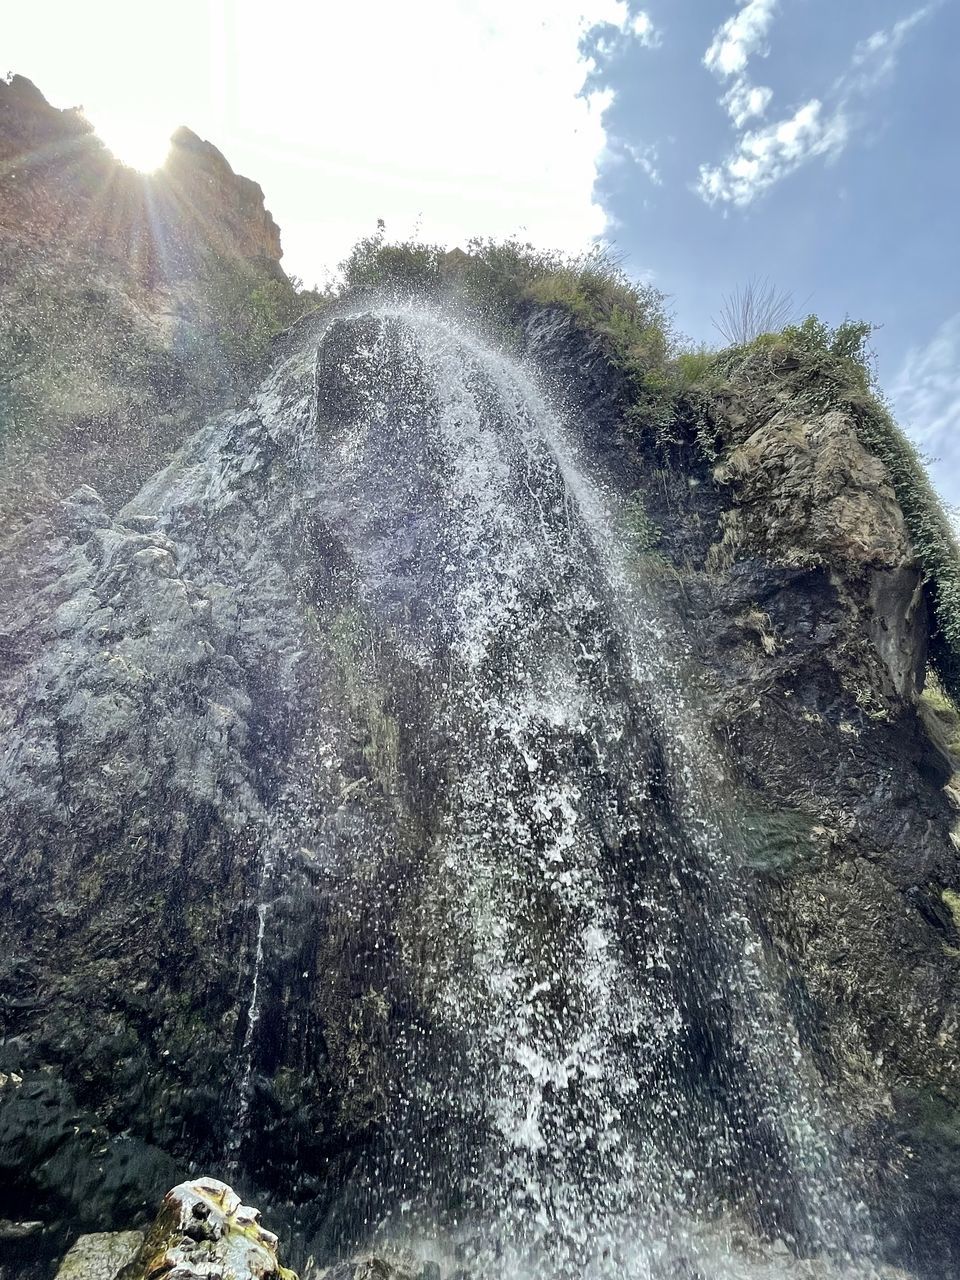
pixel 788 562
pixel 235 735
pixel 130 304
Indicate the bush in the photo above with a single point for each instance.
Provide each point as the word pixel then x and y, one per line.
pixel 752 311
pixel 494 278
pixel 407 268
pixel 250 308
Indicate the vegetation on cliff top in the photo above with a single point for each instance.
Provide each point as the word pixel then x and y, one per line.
pixel 824 369
pixel 493 279
pixel 676 392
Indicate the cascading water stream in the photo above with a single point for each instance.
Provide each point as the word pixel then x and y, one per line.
pixel 611 1082
pixel 245 1085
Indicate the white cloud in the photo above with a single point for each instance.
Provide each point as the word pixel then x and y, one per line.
pixel 925 396
pixel 926 391
pixel 641 26
pixel 463 115
pixel 875 59
pixel 646 158
pixel 764 156
pixel 733 45
pixel 740 37
pixel 744 101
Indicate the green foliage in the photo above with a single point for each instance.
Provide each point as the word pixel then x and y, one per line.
pixel 942 715
pixel 951 900
pixel 930 531
pixel 250 308
pixel 642 534
pixel 406 268
pixel 820 366
pixel 841 355
pixel 494 278
pixel 694 369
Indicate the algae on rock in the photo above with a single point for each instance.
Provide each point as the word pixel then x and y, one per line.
pixel 203 1230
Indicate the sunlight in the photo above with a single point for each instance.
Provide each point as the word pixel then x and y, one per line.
pixel 137 141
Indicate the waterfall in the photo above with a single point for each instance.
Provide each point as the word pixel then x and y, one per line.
pixel 624 1072
pixel 502 778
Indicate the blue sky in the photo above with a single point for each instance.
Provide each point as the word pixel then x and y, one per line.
pixel 814 143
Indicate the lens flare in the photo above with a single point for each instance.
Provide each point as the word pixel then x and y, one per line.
pixel 136 141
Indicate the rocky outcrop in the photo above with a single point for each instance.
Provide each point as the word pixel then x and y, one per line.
pixel 807 493
pixel 233 747
pixel 203 1230
pixel 61 185
pixel 131 306
pixel 229 205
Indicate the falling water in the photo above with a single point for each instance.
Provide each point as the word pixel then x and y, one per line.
pixel 604 1080
pixel 238 1127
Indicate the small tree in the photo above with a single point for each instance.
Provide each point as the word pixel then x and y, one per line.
pixel 756 308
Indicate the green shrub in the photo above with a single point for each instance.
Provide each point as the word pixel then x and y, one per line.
pixel 695 369
pixel 408 267
pixel 494 278
pixel 250 308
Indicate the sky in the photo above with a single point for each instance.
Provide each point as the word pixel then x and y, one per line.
pixel 814 144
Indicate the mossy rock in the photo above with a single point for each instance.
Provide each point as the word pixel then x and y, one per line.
pixel 99 1256
pixel 202 1229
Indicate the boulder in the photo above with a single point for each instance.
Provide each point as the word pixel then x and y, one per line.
pixel 100 1255
pixel 204 1232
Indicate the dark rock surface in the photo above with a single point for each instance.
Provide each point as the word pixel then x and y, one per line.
pixel 162 673
pixel 789 568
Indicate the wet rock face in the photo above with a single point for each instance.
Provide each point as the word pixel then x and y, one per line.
pixel 796 582
pixel 202 1230
pixel 258 667
pixel 380 1264
pixel 162 672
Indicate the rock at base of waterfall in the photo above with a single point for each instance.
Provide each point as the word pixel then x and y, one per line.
pixel 99 1256
pixel 385 1263
pixel 204 1231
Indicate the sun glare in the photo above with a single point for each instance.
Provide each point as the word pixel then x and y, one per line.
pixel 141 144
